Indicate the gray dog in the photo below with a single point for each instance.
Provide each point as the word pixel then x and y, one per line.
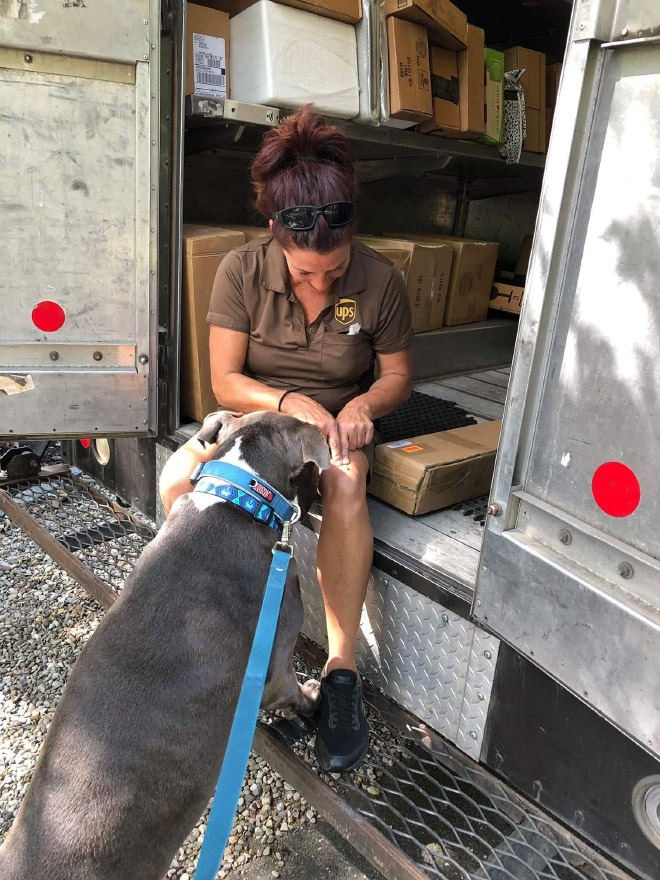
pixel 137 741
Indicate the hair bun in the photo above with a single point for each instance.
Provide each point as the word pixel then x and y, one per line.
pixel 302 137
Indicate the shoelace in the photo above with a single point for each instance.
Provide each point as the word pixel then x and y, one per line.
pixel 343 708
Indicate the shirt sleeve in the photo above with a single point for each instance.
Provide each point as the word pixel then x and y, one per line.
pixel 394 331
pixel 227 304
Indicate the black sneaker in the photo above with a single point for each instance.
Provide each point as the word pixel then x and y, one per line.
pixel 343 732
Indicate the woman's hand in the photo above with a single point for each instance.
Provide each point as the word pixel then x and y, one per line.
pixel 356 428
pixel 307 410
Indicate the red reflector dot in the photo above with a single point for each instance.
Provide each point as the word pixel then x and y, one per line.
pixel 85 442
pixel 616 489
pixel 48 316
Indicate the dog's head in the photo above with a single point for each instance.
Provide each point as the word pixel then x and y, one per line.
pixel 281 450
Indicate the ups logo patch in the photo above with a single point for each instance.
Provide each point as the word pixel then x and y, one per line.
pixel 345 311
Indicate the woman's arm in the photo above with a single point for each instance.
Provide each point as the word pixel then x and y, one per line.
pixel 234 391
pixel 391 389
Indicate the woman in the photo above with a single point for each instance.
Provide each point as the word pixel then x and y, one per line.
pixel 298 322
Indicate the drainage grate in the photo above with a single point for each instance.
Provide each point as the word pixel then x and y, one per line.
pixel 93 526
pixel 417 807
pixel 451 817
pixel 477 509
pixel 422 414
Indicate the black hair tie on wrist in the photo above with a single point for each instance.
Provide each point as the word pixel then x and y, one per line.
pixel 279 405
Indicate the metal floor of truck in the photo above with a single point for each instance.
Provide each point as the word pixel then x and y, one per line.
pixel 446 543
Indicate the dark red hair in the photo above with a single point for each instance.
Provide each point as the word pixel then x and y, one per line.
pixel 280 181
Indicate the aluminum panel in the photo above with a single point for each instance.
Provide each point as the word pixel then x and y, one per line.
pixel 588 634
pixel 602 370
pixel 112 29
pixel 413 649
pixel 584 391
pixel 78 220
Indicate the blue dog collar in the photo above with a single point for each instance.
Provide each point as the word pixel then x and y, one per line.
pixel 242 488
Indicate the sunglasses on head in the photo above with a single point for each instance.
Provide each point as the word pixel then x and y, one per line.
pixel 302 217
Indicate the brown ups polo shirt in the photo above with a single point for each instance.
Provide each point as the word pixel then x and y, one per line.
pixel 332 360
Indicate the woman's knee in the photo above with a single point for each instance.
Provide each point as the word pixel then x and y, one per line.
pixel 175 478
pixel 346 486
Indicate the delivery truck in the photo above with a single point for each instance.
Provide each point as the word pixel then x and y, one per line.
pixel 524 627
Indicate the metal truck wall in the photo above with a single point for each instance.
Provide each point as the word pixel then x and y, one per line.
pixel 78 216
pixel 570 571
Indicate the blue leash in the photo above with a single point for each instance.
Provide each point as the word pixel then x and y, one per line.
pixel 234 764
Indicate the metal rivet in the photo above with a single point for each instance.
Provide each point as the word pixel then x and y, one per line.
pixel 473 734
pixel 143 359
pixel 386 583
pixel 481 696
pixel 478 601
pixel 487 655
pixel 98 355
pixel 582 26
pixel 445 618
pixel 144 421
pixel 146 21
pixel 484 569
pixel 54 355
pixel 624 32
pixel 565 537
pixel 27 58
pixel 626 570
pixel 146 57
pixel 495 509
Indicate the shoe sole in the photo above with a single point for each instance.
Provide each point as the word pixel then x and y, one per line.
pixel 356 763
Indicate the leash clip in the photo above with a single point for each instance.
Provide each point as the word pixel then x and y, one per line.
pixel 284 544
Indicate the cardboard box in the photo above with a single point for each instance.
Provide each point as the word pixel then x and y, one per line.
pixel 533 79
pixel 506 297
pixel 493 97
pixel 471 279
pixel 204 247
pixel 445 90
pixel 410 80
pixel 549 118
pixel 426 269
pixel 445 23
pixel 207 51
pixel 436 470
pixel 536 134
pixel 471 90
pixel 349 11
pixel 250 232
pixel 522 263
pixel 552 78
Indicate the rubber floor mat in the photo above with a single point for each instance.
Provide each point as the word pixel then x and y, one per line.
pixel 422 414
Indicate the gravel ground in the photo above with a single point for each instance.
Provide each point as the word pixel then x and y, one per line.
pixel 45 619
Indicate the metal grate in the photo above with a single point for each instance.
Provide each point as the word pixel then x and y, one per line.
pixel 451 818
pixel 476 509
pixel 93 526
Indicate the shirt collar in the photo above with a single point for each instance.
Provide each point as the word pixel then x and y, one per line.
pixel 275 275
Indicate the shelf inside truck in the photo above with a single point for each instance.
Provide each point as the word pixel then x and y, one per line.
pixel 237 129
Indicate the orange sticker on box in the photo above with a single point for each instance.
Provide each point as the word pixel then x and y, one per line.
pixel 411 449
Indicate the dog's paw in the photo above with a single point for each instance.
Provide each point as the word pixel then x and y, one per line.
pixel 312 690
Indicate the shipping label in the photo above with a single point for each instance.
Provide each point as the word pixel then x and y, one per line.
pixel 210 65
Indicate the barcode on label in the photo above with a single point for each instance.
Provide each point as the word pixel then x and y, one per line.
pixel 209 61
pixel 211 79
pixel 202 59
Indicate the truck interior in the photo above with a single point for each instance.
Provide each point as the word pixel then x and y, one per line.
pixel 419 184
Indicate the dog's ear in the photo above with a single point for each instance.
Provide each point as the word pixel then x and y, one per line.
pixel 314 447
pixel 213 426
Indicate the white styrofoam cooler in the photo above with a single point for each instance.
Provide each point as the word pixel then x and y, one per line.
pixel 286 57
